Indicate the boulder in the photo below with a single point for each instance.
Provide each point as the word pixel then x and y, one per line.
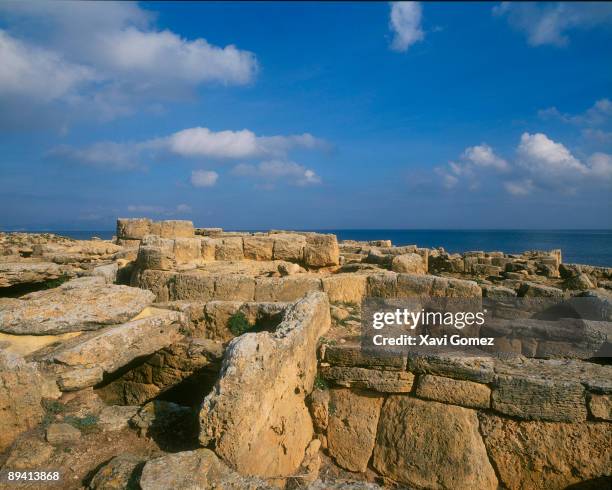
pixel 411 263
pixel 266 430
pixel 133 228
pixel 289 247
pixel 351 432
pixel 83 360
pixel 198 469
pixel 579 282
pixel 72 307
pixel 20 397
pixel 431 445
pixel 62 433
pixel 120 473
pixel 535 290
pixel 545 455
pixel 601 406
pixel 258 247
pixel 321 251
pixel 12 273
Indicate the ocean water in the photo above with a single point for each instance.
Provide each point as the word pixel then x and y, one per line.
pixel 592 247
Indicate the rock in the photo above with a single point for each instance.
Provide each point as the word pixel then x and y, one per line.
pixel 266 431
pixel 27 454
pixel 351 432
pixel 456 366
pixel 345 288
pixel 116 417
pixel 309 469
pixel 229 248
pixel 600 406
pixel 108 272
pixel 74 306
pixel 289 288
pixel 258 247
pixel 159 416
pixel 431 445
pixel 288 269
pixel 371 379
pixel 12 273
pixel 120 473
pixel 410 263
pixel 321 251
pixel 191 470
pixel 133 228
pixel 535 290
pixel 289 247
pixel 78 361
pixel 20 397
pixel 62 434
pixel 175 229
pixel 319 404
pixel 339 314
pixel 453 391
pixel 352 355
pixel 498 292
pixel 536 397
pixel 545 455
pixel 579 282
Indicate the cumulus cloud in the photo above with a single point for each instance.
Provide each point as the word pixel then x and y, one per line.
pixel 599 113
pixel 35 72
pixel 51 51
pixel 204 178
pixel 277 170
pixel 202 142
pixel 483 156
pixel 405 23
pixel 549 23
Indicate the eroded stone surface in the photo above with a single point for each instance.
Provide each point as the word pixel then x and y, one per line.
pixel 431 445
pixel 454 391
pixel 265 431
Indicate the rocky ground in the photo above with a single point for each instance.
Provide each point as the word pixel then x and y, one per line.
pixel 174 357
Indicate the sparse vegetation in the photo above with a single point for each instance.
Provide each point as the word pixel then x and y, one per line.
pixel 238 324
pixel 85 424
pixel 320 383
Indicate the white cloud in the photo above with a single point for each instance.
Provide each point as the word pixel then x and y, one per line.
pixel 189 143
pixel 202 142
pixel 35 72
pixel 275 170
pixel 483 156
pixel 54 48
pixel 542 156
pixel 600 165
pixel 598 114
pixel 405 23
pixel 204 178
pixel 519 187
pixel 549 23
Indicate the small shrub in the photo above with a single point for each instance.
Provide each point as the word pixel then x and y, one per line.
pixel 238 324
pixel 85 424
pixel 320 383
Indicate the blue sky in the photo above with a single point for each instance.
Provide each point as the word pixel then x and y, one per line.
pixel 306 115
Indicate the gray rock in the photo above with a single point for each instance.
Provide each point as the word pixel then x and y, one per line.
pixel 62 434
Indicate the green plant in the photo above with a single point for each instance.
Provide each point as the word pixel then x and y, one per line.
pixel 54 283
pixel 331 408
pixel 320 383
pixel 84 424
pixel 238 324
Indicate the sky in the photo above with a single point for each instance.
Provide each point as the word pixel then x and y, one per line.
pixel 306 115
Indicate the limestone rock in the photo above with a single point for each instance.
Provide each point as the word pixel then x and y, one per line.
pixel 20 397
pixel 12 273
pixel 453 391
pixel 580 282
pixel 265 431
pixel 321 250
pixel 192 470
pixel 319 409
pixel 601 406
pixel 120 473
pixel 431 445
pixel 133 228
pixel 74 306
pixel 345 288
pixel 258 247
pixel 289 288
pixel 535 290
pixel 116 417
pixel 371 379
pixel 28 453
pixel 545 455
pixel 351 432
pixel 62 434
pixel 411 263
pixel 83 358
pixel 288 269
pixel 289 247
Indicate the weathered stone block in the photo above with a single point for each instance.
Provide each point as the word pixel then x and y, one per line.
pixel 234 287
pixel 345 288
pixel 351 432
pixel 431 445
pixel 545 455
pixel 453 391
pixel 229 248
pixel 391 381
pixel 289 247
pixel 321 251
pixel 176 229
pixel 600 406
pixel 289 288
pixel 258 247
pixel 133 228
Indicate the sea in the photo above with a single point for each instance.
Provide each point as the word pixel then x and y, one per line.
pixel 593 247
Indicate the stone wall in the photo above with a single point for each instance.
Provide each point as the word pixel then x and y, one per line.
pixel 465 422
